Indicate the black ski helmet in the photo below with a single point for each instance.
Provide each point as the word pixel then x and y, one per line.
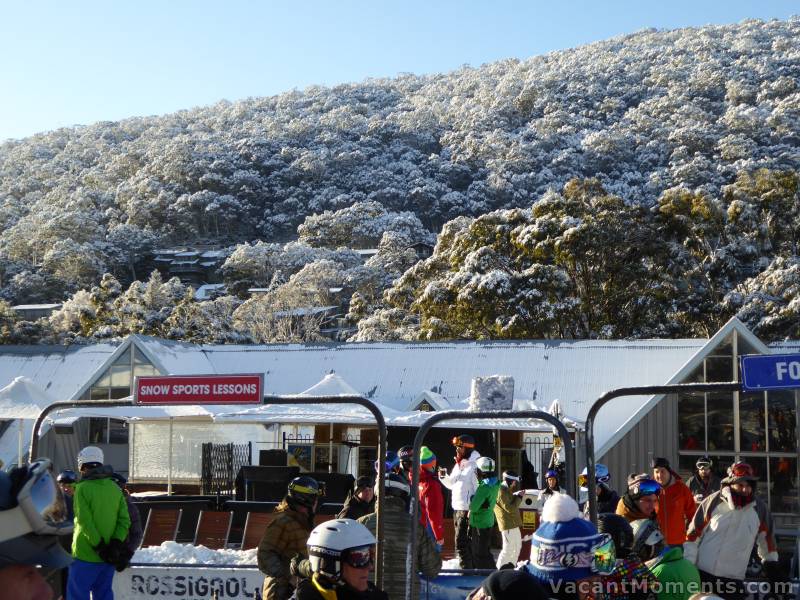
pixel 304 490
pixel 620 531
pixel 67 476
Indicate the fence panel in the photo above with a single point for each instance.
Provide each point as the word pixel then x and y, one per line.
pixel 221 463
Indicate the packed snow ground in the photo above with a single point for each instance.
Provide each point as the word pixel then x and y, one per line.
pixel 175 553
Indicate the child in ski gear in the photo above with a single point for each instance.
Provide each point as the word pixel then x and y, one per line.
pixel 481 512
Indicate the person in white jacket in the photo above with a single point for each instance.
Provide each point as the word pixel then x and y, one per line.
pixel 725 527
pixel 463 483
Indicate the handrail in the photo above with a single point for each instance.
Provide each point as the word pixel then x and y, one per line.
pixel 637 391
pixel 370 406
pixel 450 415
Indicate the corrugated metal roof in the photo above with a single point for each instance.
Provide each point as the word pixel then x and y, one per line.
pixel 394 374
pixel 61 371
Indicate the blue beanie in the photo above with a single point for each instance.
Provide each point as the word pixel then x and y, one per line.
pixel 562 547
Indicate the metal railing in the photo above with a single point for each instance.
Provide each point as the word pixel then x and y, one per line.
pixel 638 391
pixel 283 400
pixel 220 464
pixel 451 415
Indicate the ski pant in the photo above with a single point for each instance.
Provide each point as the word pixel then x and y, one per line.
pixel 86 577
pixel 730 589
pixel 512 544
pixel 463 548
pixel 481 553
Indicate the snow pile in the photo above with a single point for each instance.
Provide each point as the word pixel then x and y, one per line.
pixel 173 552
pixel 495 392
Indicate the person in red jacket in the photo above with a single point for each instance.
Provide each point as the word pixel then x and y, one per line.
pixel 431 499
pixel 676 505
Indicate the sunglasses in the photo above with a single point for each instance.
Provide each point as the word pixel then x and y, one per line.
pixel 359 558
pixel 40 509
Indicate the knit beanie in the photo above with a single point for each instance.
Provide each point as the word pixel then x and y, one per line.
pixel 562 547
pixel 509 584
pixel 427 459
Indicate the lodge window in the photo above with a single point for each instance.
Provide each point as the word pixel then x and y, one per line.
pixel 759 428
pixel 103 430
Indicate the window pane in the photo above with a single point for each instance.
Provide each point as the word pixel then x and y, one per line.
pixel 121 375
pixel 97 430
pixel 124 358
pixel 744 347
pixel 104 380
pixel 783 488
pixel 721 463
pixel 696 376
pixel 118 432
pixel 759 464
pixel 321 458
pixel 120 392
pixel 719 368
pixel 752 436
pixel 720 421
pixel 691 421
pixel 98 393
pixel 366 460
pixel 782 421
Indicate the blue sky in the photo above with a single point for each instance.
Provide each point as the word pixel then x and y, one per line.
pixel 67 63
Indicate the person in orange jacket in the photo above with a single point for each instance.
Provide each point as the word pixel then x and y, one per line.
pixel 431 499
pixel 676 505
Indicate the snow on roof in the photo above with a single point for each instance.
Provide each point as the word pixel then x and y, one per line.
pixel 394 374
pixel 214 254
pixel 204 292
pixel 61 371
pixel 331 385
pixel 367 252
pixel 36 306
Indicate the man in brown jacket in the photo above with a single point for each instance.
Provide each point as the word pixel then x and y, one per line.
pixel 286 537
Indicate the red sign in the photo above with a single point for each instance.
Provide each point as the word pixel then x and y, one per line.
pixel 200 389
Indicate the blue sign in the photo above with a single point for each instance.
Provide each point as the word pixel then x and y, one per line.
pixel 770 372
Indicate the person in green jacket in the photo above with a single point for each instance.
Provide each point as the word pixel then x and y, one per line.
pixel 677 578
pixel 481 513
pixel 101 515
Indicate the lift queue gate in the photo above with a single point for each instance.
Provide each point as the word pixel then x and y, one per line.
pixel 450 415
pixel 284 400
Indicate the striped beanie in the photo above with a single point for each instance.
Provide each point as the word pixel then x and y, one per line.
pixel 427 459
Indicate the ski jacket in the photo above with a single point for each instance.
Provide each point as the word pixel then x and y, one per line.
pixel 507 509
pixel 481 508
pixel 397 525
pixel 314 589
pixel 721 536
pixel 607 502
pixel 355 508
pixel 630 580
pixel 101 513
pixel 284 537
pixel 675 510
pixel 698 487
pixel 679 578
pixel 462 481
pixel 135 532
pixel 431 503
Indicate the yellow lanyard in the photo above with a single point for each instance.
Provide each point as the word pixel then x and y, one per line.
pixel 326 593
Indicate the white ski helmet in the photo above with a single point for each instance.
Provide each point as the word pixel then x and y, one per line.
pixel 485 465
pixel 90 454
pixel 337 541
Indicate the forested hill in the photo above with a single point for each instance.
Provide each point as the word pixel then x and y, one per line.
pixel 642 113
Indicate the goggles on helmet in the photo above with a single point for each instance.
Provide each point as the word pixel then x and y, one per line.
pixel 584 479
pixel 40 506
pixel 360 557
pixel 459 443
pixel 644 487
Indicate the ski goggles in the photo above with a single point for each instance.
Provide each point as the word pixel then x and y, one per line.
pixel 644 487
pixel 584 479
pixel 359 558
pixel 40 508
pixel 459 443
pixel 601 558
